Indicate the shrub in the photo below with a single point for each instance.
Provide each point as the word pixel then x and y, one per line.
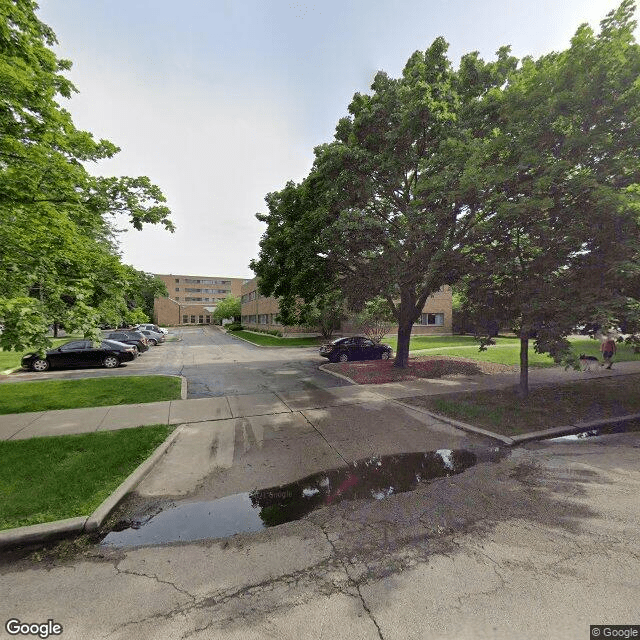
pixel 234 326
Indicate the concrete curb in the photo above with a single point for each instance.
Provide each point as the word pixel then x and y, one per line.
pixel 57 529
pixel 571 429
pixel 456 423
pixel 261 346
pixel 100 514
pixel 183 388
pixel 41 532
pixel 338 375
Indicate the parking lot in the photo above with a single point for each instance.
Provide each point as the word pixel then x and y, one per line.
pixel 215 364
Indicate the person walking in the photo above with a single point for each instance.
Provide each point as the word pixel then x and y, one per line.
pixel 608 348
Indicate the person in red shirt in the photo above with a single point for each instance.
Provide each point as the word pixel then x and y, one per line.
pixel 608 348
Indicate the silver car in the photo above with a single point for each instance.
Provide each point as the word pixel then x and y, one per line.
pixel 153 336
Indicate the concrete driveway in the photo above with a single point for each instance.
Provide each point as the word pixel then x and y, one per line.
pixel 217 364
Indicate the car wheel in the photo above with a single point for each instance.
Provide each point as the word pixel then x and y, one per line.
pixel 344 357
pixel 385 355
pixel 153 342
pixel 40 365
pixel 111 362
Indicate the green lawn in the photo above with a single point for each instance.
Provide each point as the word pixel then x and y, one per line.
pixel 265 340
pixel 47 479
pixel 43 395
pixel 505 351
pixel 503 411
pixel 10 360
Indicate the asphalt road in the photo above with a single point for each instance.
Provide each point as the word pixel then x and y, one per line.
pixel 216 364
pixel 542 544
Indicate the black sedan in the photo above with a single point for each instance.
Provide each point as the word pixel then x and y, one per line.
pixel 355 348
pixel 82 353
pixel 134 338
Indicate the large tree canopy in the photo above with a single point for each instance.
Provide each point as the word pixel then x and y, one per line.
pixel 58 255
pixel 519 176
pixel 389 203
pixel 561 176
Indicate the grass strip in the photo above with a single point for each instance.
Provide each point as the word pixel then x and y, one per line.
pixel 265 340
pixel 45 395
pixel 47 479
pixel 505 351
pixel 503 411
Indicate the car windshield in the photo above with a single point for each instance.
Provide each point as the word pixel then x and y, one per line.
pixel 337 340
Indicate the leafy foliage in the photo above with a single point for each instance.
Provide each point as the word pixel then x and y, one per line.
pixel 230 307
pixel 519 178
pixel 560 189
pixel 376 319
pixel 59 260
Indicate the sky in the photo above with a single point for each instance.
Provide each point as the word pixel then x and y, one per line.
pixel 220 102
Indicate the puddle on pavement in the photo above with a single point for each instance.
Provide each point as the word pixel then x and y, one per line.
pixel 623 426
pixel 573 437
pixel 373 478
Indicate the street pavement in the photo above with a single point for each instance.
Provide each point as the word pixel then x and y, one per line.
pixel 539 543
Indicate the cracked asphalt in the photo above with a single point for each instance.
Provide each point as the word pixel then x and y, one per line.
pixel 541 544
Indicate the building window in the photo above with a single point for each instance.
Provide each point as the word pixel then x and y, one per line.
pixel 185 319
pixel 207 319
pixel 177 297
pixel 434 319
pixel 200 319
pixel 193 319
pixel 177 280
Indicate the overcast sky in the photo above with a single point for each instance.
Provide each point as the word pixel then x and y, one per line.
pixel 220 102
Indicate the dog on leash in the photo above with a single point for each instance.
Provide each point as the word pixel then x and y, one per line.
pixel 586 362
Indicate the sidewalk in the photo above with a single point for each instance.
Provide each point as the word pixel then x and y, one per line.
pixel 60 422
pixel 278 436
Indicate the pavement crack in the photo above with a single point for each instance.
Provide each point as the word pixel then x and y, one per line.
pixel 157 579
pixel 355 584
pixel 323 437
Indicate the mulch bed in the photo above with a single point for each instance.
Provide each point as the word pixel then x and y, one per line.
pixel 379 371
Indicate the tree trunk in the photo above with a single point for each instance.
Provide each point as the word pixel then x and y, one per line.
pixel 402 351
pixel 55 329
pixel 405 324
pixel 523 388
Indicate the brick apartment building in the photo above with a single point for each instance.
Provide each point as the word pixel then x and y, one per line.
pixel 259 312
pixel 193 299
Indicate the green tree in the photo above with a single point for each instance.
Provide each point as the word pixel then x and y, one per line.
pixel 142 289
pixel 376 319
pixel 561 198
pixel 390 202
pixel 326 311
pixel 230 307
pixel 57 221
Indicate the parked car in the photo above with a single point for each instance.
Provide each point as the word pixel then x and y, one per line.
pixel 82 353
pixel 355 348
pixel 135 338
pixel 151 327
pixel 153 337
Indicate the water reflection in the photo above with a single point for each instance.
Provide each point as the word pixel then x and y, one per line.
pixel 376 477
